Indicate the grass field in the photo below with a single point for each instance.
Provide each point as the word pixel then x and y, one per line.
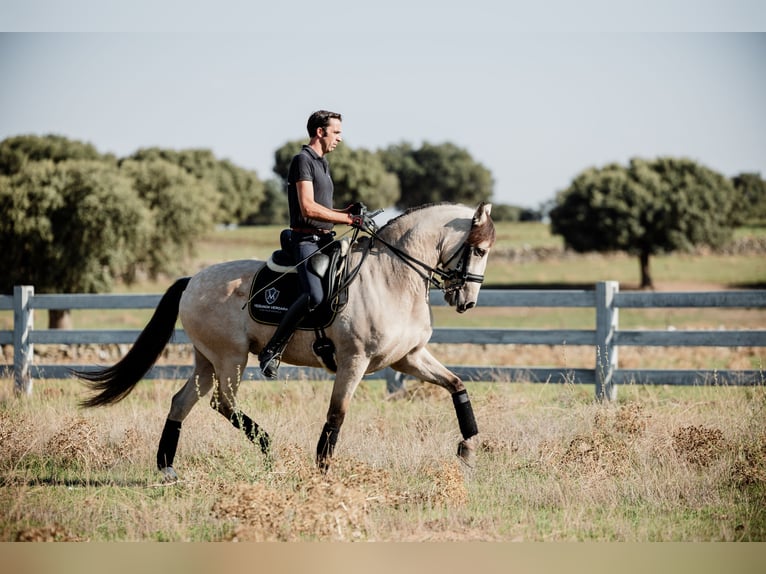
pixel 662 464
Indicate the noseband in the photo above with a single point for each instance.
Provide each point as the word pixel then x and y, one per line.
pixel 458 276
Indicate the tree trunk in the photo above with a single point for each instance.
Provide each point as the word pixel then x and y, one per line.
pixel 646 276
pixel 59 319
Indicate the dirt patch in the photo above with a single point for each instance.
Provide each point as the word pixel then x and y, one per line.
pixel 52 533
pixel 750 467
pixel 631 419
pixel 606 449
pixel 304 504
pixel 698 444
pixel 77 443
pixel 15 432
pixel 596 452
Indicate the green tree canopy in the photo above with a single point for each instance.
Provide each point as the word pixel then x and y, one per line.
pixel 16 152
pixel 179 206
pixel 751 200
pixel 505 212
pixel 75 220
pixel 436 173
pixel 284 155
pixel 357 174
pixel 274 209
pixel 240 191
pixel 69 227
pixel 650 207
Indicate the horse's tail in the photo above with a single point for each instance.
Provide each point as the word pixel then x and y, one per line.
pixel 116 382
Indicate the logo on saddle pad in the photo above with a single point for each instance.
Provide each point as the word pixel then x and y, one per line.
pixel 272 295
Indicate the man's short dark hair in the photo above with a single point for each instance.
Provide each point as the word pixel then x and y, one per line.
pixel 320 119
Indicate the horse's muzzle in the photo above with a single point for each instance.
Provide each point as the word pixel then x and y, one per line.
pixel 458 300
pixel 463 307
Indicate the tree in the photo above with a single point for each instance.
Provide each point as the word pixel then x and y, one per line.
pixel 284 155
pixel 648 208
pixel 76 220
pixel 71 227
pixel 179 208
pixel 436 173
pixel 505 212
pixel 357 174
pixel 274 208
pixel 16 152
pixel 240 191
pixel 751 198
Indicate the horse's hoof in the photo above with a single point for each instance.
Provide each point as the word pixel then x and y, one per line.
pixel 169 474
pixel 466 453
pixel 323 464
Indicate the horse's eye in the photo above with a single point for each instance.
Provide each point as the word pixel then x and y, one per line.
pixel 479 252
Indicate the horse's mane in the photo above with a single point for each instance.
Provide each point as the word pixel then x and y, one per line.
pixel 410 210
pixel 476 234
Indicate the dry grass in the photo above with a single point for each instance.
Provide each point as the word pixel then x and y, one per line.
pixel 661 464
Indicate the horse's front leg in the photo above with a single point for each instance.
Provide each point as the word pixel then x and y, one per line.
pixel 346 381
pixel 424 366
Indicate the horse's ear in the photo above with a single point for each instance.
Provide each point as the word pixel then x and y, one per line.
pixel 482 214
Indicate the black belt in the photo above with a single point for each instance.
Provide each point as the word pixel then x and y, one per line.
pixel 311 230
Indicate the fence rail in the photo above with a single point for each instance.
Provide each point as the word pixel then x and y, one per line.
pixel 606 337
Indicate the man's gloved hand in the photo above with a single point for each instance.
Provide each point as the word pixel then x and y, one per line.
pixel 364 222
pixel 357 208
pixel 357 221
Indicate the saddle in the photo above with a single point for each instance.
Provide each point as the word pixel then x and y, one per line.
pixel 275 287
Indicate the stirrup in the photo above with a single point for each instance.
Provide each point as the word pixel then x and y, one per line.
pixel 270 363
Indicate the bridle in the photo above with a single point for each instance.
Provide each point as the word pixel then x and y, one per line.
pixel 442 276
pixel 459 275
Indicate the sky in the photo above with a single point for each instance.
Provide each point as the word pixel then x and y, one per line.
pixel 534 91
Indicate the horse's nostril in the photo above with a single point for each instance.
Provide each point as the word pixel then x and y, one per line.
pixel 464 307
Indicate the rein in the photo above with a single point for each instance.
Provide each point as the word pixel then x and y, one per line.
pixel 449 280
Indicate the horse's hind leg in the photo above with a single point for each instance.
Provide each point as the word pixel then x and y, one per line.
pixel 197 386
pixel 225 402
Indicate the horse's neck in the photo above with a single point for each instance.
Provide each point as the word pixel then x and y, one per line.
pixel 426 241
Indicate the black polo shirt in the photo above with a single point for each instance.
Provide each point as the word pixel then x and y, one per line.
pixel 308 166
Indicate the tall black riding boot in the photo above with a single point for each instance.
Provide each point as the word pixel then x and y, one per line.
pixel 272 352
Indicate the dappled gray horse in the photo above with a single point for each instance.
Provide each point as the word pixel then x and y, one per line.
pixel 386 322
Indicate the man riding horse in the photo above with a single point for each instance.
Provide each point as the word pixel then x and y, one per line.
pixel 312 217
pixel 386 319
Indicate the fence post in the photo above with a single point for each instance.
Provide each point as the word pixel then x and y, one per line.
pixel 607 319
pixel 23 323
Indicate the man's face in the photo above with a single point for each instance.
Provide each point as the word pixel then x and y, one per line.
pixel 330 136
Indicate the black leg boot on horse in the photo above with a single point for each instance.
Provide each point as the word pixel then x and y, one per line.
pixel 271 355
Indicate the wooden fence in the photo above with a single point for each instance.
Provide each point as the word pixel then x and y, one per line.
pixel 606 337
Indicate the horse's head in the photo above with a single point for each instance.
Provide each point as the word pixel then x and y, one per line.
pixel 467 263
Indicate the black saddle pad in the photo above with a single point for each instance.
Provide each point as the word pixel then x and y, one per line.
pixel 274 290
